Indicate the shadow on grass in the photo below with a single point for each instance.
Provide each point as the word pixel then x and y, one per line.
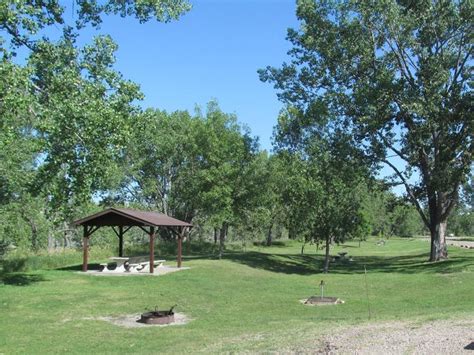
pixel 305 264
pixel 20 279
pixel 78 267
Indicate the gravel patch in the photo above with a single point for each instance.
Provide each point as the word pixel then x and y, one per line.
pixel 130 321
pixel 435 337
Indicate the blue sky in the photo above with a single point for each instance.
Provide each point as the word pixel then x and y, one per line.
pixel 212 52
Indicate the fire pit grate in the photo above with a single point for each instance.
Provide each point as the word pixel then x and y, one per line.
pixel 158 317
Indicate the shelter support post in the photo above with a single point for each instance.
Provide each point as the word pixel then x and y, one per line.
pixel 120 241
pixel 180 245
pixel 152 250
pixel 85 247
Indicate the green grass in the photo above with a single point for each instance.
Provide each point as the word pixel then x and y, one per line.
pixel 249 301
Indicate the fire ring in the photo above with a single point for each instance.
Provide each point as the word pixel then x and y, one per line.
pixel 157 317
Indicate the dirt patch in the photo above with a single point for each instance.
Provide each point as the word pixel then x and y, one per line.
pixel 436 337
pixel 321 301
pixel 130 321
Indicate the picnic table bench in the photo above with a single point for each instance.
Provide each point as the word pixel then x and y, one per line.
pixel 144 266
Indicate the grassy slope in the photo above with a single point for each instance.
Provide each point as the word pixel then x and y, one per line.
pixel 248 301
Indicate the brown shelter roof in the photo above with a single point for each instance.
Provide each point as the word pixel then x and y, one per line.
pixel 128 217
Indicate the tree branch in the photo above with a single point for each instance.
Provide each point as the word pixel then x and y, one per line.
pixel 17 37
pixel 409 192
pixel 391 147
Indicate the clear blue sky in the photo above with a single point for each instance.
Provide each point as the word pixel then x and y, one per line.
pixel 212 52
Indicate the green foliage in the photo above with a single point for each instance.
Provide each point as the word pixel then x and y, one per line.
pixel 85 119
pixel 389 215
pixel 65 113
pixel 461 223
pixel 321 192
pixel 188 166
pixel 26 21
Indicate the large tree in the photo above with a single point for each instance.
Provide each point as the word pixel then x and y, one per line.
pixel 398 74
pixel 226 152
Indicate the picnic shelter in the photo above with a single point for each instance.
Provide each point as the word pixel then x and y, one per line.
pixel 122 219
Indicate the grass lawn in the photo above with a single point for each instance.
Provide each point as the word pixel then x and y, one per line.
pixel 249 301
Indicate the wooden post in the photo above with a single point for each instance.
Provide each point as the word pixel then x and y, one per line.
pixel 180 238
pixel 85 247
pixel 121 241
pixel 152 250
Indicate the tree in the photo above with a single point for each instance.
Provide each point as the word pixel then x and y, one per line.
pixel 271 182
pixel 226 151
pixel 201 166
pixel 398 74
pixel 322 193
pixel 159 161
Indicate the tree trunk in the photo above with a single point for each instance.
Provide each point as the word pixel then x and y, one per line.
pixel 291 233
pixel 439 249
pixel 326 259
pixel 439 208
pixel 270 236
pixel 216 232
pixel 222 235
pixel 66 236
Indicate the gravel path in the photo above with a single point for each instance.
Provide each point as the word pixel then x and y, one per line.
pixel 436 337
pixel 456 242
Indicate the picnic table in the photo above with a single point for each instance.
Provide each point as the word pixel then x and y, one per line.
pixel 125 264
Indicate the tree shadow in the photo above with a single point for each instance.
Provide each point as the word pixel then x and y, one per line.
pixel 407 264
pixel 311 264
pixel 78 267
pixel 20 279
pixel 281 263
